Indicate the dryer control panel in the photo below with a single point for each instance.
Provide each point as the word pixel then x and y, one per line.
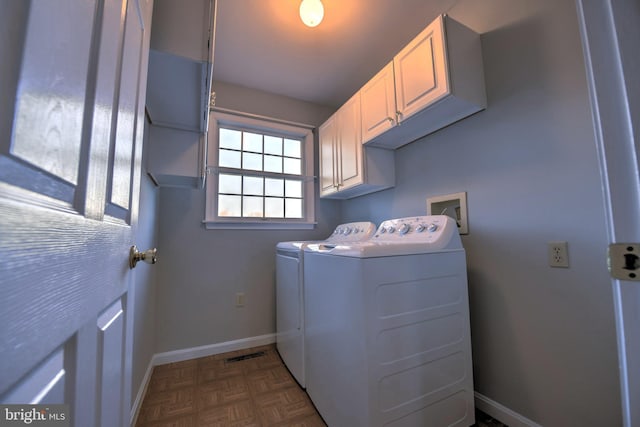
pixel 402 236
pixel 352 232
pixel 416 229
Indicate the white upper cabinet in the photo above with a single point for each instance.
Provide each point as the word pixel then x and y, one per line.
pixel 438 80
pixel 347 169
pixel 328 134
pixel 421 71
pixel 378 104
pixel 341 149
pixel 350 145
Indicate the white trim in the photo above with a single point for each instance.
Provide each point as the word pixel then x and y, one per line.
pixel 502 413
pixel 142 391
pixel 259 117
pixel 266 225
pixel 193 353
pixel 609 31
pixel 211 349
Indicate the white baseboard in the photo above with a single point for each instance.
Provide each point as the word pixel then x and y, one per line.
pixel 135 408
pixel 502 413
pixel 208 350
pixel 193 353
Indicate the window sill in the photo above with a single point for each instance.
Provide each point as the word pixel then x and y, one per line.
pixel 262 225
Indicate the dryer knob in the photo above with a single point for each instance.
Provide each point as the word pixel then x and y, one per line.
pixel 391 229
pixel 404 229
pixel 347 231
pixel 432 227
pixel 420 228
pixel 383 230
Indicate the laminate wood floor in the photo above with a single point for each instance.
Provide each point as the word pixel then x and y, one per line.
pixel 248 392
pixel 212 391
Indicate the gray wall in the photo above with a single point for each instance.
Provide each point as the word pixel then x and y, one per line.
pixel 144 291
pixel 543 338
pixel 206 268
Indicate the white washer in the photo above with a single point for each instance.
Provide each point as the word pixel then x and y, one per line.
pixel 387 327
pixel 290 293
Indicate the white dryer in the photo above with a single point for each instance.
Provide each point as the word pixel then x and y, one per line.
pixel 290 293
pixel 387 327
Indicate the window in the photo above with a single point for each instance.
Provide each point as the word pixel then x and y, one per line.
pixel 260 174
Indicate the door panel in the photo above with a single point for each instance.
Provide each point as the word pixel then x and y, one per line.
pixel 109 56
pixel 421 71
pixel 126 119
pixel 110 330
pixel 45 384
pixel 50 105
pixel 349 130
pixel 328 173
pixel 378 99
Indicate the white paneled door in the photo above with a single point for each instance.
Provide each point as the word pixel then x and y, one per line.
pixel 72 87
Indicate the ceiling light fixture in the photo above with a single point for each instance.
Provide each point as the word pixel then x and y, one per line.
pixel 311 12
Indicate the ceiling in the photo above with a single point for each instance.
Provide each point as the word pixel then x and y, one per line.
pixel 263 44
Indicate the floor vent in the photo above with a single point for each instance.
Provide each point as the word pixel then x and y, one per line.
pixel 245 357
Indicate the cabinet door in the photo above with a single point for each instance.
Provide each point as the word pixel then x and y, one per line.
pixel 328 145
pixel 378 100
pixel 350 170
pixel 421 71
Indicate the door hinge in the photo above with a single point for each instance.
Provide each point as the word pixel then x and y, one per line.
pixel 623 260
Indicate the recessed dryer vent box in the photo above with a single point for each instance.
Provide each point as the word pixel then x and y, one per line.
pixel 454 205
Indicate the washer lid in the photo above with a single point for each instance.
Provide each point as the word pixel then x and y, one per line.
pixel 402 236
pixel 348 232
pixel 294 246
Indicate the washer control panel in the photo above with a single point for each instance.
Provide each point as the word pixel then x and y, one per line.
pixel 428 228
pixel 353 232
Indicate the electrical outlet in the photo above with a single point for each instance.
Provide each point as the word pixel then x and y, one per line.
pixel 240 299
pixel 558 254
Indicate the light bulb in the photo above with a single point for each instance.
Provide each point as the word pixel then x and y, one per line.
pixel 311 12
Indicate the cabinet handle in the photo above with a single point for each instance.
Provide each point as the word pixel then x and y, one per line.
pixel 391 119
pixel 398 116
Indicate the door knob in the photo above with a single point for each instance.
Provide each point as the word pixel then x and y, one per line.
pixel 149 256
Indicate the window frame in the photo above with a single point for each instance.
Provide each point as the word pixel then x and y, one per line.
pixel 264 126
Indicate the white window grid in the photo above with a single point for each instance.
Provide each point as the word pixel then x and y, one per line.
pixel 297 207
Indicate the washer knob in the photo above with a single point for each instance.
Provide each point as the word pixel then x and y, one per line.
pixel 431 228
pixel 420 228
pixel 347 231
pixel 391 229
pixel 404 229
